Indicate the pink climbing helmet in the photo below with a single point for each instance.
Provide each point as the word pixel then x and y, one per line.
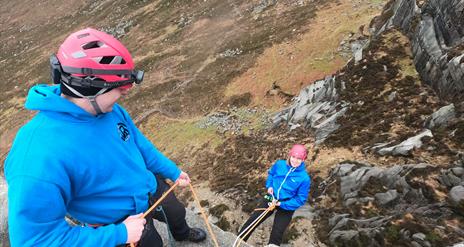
pixel 298 151
pixel 91 58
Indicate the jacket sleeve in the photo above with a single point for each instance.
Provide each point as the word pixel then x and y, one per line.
pixel 36 211
pixel 300 197
pixel 155 161
pixel 270 176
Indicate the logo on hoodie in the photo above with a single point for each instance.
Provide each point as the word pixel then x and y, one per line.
pixel 123 131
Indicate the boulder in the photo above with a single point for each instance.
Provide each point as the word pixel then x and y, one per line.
pixel 456 197
pixel 441 118
pixel 405 148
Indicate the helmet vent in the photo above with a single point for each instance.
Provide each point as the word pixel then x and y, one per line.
pixel 80 36
pixel 93 44
pixel 112 60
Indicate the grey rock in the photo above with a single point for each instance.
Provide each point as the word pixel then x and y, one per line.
pixel 231 53
pixel 350 201
pixel 461 244
pixel 433 29
pixel 420 237
pixel 264 4
pixel 341 224
pixel 387 197
pixel 392 96
pixel 324 129
pixel 335 219
pixel 344 169
pixel 441 118
pixel 405 148
pixel 343 236
pixel 415 244
pixel 405 233
pixel 4 213
pixel 449 178
pixel 315 107
pixel 350 195
pixel 194 220
pixel 357 49
pixel 458 171
pixel 456 197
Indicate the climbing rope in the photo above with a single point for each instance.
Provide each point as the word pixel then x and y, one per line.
pixel 253 224
pixel 156 204
pixel 204 216
pixel 195 198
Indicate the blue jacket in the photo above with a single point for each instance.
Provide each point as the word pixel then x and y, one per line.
pixel 291 185
pixel 98 169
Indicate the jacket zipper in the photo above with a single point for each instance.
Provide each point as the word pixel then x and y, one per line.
pixel 282 184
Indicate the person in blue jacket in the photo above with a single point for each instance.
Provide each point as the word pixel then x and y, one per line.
pixel 82 156
pixel 288 186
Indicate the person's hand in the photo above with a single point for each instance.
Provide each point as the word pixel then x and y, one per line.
pixel 277 203
pixel 270 191
pixel 183 179
pixel 134 225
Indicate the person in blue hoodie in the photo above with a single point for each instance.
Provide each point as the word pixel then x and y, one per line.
pixel 82 156
pixel 288 186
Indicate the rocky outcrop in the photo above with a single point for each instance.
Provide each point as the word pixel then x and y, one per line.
pixel 405 147
pixel 436 31
pixel 3 213
pixel 194 220
pixel 315 107
pixel 363 205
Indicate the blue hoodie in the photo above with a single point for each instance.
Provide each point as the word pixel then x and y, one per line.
pixel 98 169
pixel 291 185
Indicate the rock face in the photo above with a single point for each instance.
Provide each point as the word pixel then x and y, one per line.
pixel 436 31
pixel 315 107
pixel 3 213
pixel 223 238
pixel 362 205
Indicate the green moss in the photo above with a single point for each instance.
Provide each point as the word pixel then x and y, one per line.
pixel 177 136
pixel 433 238
pixel 392 233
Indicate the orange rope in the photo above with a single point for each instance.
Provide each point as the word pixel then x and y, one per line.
pixel 156 204
pixel 159 200
pixel 196 199
pixel 204 216
pixel 257 221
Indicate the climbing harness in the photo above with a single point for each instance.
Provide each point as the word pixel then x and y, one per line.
pixel 249 228
pixel 194 197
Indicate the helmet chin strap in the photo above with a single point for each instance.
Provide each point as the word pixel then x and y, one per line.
pixel 92 99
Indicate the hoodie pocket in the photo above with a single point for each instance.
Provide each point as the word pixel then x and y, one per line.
pixel 140 203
